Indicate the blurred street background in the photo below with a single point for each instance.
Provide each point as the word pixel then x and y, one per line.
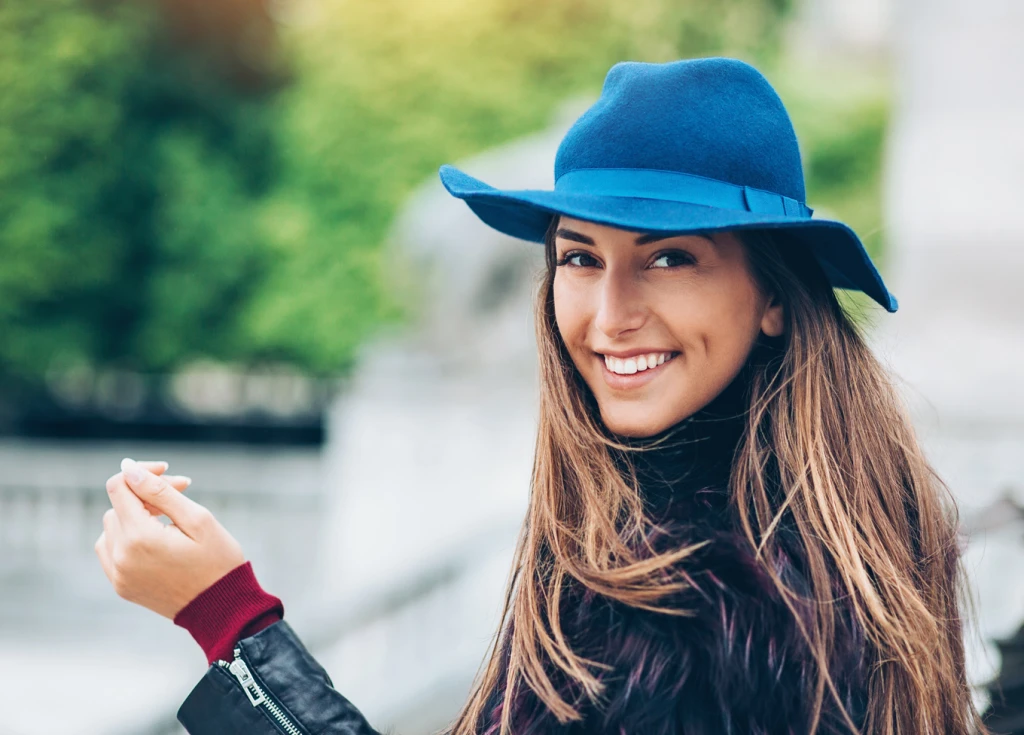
pixel 223 244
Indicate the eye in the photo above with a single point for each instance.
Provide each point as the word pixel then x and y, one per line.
pixel 673 259
pixel 577 259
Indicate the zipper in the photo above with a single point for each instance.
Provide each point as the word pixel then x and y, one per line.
pixel 257 696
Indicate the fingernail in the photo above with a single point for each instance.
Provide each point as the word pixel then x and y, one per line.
pixel 132 471
pixel 186 479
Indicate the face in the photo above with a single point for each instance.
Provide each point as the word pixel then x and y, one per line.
pixel 657 326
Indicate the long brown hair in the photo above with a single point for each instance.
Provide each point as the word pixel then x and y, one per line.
pixel 874 523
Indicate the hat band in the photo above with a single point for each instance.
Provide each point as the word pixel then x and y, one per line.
pixel 675 186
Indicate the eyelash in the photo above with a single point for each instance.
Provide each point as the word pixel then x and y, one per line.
pixel 690 260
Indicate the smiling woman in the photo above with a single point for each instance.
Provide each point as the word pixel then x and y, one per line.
pixel 731 527
pixel 690 301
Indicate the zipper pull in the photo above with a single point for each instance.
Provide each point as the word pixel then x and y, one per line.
pixel 249 685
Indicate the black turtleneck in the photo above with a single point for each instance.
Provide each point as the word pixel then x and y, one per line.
pixel 683 471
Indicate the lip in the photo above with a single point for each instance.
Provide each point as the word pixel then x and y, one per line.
pixel 636 380
pixel 634 353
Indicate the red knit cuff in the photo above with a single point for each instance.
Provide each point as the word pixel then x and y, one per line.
pixel 232 608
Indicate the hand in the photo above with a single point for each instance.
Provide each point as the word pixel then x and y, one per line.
pixel 161 567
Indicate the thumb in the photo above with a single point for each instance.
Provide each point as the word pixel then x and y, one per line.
pixel 157 492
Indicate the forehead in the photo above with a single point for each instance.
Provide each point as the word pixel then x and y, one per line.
pixel 579 230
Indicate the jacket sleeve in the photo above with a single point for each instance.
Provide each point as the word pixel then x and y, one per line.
pixel 273 686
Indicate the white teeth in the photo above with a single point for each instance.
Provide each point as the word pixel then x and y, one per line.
pixel 631 365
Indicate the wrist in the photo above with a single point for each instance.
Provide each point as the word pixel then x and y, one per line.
pixel 234 607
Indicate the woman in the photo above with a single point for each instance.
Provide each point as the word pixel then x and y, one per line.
pixel 731 526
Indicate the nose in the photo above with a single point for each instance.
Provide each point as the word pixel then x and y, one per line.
pixel 620 307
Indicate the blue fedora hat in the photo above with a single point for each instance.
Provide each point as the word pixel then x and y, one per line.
pixel 698 145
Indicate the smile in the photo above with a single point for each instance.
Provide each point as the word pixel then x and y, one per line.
pixel 637 363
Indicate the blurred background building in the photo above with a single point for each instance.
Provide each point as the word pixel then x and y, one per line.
pixel 222 243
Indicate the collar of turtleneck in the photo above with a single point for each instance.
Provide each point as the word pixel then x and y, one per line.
pixel 683 471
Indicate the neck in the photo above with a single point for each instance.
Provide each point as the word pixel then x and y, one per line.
pixel 684 470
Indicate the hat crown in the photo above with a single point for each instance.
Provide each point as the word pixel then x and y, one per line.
pixel 713 117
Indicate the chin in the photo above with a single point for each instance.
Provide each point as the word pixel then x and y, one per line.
pixel 636 426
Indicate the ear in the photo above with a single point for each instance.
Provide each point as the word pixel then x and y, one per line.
pixel 772 321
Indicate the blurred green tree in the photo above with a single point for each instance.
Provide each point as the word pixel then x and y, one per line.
pixel 129 170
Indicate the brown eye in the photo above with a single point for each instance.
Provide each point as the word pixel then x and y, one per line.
pixel 673 259
pixel 578 259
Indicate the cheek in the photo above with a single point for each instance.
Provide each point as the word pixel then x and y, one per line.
pixel 570 314
pixel 716 328
pixel 730 331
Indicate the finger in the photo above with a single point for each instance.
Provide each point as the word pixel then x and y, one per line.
pixel 157 467
pixel 111 531
pixel 178 482
pixel 126 504
pixel 156 491
pixel 103 553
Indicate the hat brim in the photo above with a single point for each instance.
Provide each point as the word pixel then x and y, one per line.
pixel 527 213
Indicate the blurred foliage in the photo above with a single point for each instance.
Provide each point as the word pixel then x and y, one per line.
pixel 155 209
pixel 130 180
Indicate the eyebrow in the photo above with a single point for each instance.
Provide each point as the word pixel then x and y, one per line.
pixel 647 239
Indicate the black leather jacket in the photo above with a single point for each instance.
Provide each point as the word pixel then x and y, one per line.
pixel 273 686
